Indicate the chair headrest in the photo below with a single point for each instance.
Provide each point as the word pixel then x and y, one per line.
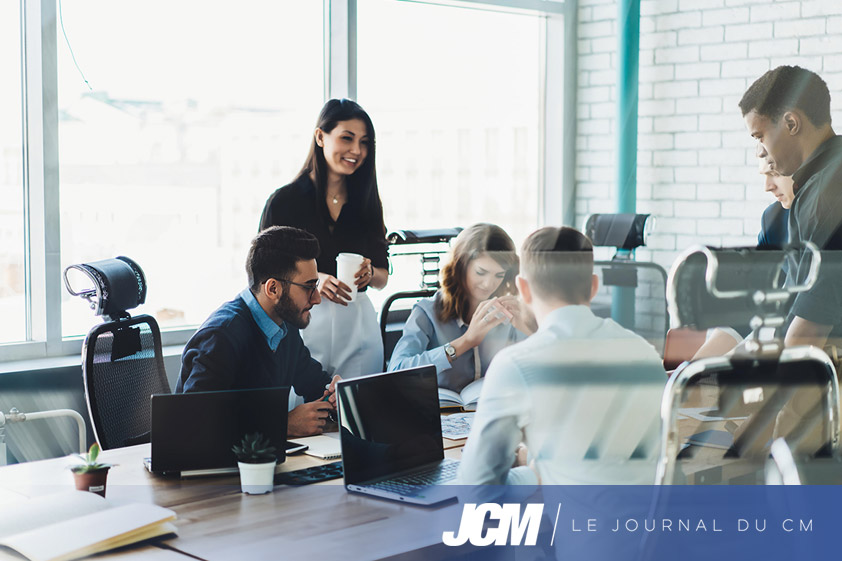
pixel 118 285
pixel 623 231
pixel 715 287
pixel 439 235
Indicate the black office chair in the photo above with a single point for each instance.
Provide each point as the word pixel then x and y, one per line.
pixel 122 360
pixel 429 245
pixel 762 392
pixel 633 293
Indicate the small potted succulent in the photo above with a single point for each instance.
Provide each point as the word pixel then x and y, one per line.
pixel 90 475
pixel 256 460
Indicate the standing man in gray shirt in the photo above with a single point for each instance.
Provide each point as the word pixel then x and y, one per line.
pixel 787 110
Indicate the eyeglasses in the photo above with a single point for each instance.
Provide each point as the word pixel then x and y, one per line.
pixel 311 288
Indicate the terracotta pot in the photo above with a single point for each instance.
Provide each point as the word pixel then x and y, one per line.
pixel 92 481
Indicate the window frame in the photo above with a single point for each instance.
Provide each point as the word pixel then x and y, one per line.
pixel 42 214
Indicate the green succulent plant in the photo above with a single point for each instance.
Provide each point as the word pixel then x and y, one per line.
pixel 254 449
pixel 89 461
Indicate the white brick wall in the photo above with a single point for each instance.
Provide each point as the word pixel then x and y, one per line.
pixel 696 167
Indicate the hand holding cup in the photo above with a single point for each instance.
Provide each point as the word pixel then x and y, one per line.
pixel 348 266
pixel 331 288
pixel 365 274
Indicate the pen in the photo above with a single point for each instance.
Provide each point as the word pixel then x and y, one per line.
pixel 329 393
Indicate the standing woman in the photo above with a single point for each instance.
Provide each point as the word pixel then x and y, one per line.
pixel 335 198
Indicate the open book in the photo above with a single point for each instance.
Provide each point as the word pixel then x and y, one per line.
pixel 465 400
pixel 76 524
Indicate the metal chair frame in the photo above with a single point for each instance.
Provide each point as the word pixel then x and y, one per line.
pixel 429 259
pixel 678 384
pixel 763 344
pixel 626 265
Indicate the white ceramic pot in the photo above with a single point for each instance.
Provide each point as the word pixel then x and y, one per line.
pixel 257 479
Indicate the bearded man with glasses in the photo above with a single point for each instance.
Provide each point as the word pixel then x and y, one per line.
pixel 253 341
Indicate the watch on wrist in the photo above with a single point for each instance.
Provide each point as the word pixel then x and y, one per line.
pixel 450 351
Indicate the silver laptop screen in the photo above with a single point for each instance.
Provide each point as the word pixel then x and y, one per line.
pixel 389 423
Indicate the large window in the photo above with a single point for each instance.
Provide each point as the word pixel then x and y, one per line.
pixel 457 113
pixel 12 290
pixel 168 124
pixel 457 116
pixel 196 112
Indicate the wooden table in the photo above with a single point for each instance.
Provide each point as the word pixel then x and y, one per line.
pixel 216 521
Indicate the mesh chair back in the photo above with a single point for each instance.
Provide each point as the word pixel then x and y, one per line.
pixel 123 367
pixel 745 271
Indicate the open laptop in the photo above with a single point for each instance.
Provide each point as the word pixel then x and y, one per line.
pixel 390 430
pixel 192 433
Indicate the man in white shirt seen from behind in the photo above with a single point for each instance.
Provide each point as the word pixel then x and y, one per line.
pixel 582 393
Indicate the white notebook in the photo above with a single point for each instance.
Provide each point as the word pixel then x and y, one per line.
pixel 325 446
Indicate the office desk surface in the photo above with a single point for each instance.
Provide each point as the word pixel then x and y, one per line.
pixel 143 553
pixel 216 521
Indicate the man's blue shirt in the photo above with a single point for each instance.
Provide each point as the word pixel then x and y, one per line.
pixel 273 332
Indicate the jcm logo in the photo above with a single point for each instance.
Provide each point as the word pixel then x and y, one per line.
pixel 511 521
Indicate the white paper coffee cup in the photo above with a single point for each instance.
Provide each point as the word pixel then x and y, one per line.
pixel 347 266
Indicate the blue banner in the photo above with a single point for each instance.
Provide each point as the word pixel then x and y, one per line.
pixel 571 523
pixel 653 523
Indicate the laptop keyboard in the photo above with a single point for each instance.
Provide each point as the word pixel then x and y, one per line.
pixel 413 482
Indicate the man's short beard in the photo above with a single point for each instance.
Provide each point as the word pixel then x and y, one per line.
pixel 290 313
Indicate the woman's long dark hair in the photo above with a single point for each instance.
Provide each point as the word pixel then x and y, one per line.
pixel 363 194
